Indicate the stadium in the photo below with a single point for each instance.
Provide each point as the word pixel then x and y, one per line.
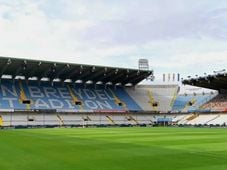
pixel 113 85
pixel 40 94
pixel 50 94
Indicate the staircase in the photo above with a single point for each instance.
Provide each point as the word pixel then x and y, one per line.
pixel 61 121
pixel 23 98
pixel 118 102
pixel 187 118
pixel 1 121
pixel 193 116
pixel 132 119
pixel 182 119
pixel 110 120
pixel 86 118
pixel 151 100
pixel 213 119
pixel 193 101
pixel 174 98
pixel 75 100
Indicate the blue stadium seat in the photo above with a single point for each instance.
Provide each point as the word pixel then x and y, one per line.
pixel 57 96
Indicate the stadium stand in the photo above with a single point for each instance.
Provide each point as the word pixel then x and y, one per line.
pixel 191 102
pixel 221 119
pixel 49 94
pixel 154 97
pixel 41 93
pixel 202 119
pixel 219 103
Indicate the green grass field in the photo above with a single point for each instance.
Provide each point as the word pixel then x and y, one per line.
pixel 114 149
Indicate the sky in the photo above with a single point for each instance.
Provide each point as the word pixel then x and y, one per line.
pixel 178 36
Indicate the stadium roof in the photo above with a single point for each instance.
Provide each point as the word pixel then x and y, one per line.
pixel 57 70
pixel 216 82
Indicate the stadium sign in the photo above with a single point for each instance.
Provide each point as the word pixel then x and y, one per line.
pixel 57 98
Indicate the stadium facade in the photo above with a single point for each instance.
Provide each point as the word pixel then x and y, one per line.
pixel 39 93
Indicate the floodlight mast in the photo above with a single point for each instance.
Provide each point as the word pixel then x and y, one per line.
pixel 143 64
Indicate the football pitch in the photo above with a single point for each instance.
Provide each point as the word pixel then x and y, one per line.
pixel 114 149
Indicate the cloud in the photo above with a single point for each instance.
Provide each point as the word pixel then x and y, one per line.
pixel 174 36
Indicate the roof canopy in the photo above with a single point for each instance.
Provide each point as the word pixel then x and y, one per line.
pixel 216 82
pixel 57 70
